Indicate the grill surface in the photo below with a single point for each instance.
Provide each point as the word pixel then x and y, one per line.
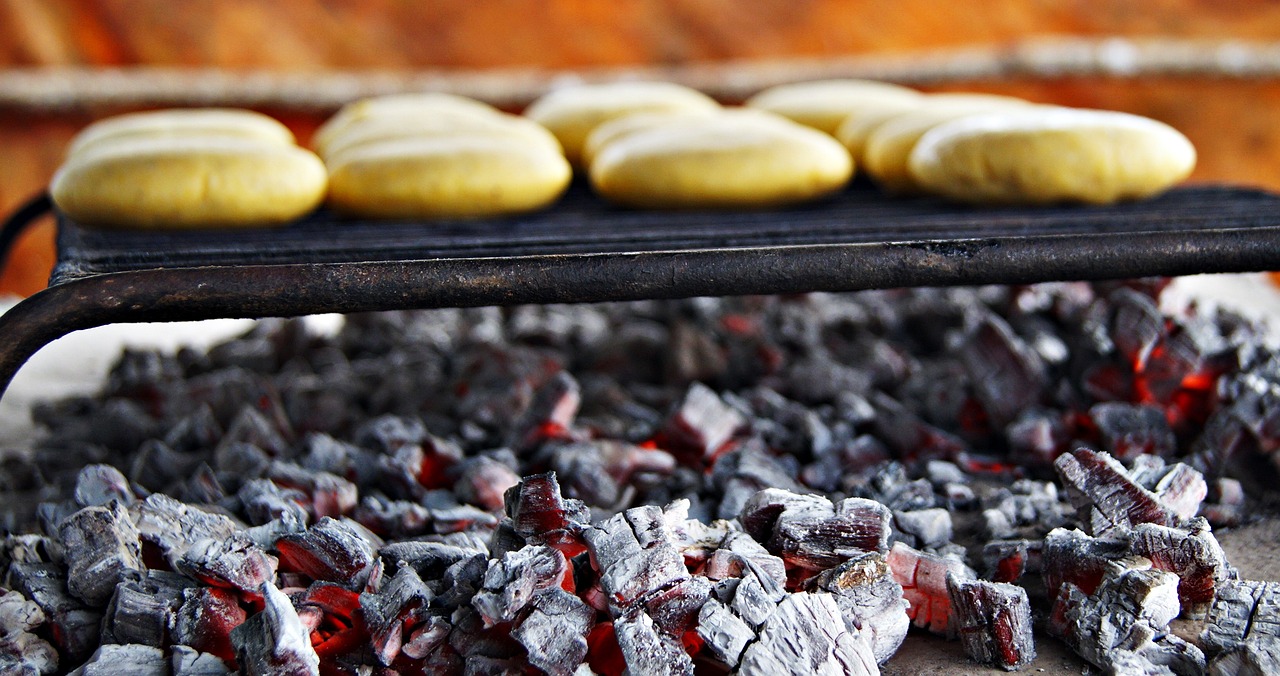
pixel 584 250
pixel 581 226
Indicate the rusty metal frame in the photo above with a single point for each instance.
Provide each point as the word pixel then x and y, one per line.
pixel 1251 243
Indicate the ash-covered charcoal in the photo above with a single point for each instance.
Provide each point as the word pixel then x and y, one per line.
pixel 1009 560
pixel 235 563
pixel 172 527
pixel 700 423
pixel 923 577
pixel 1128 431
pixel 394 611
pixel 111 659
pixel 145 610
pixel 870 600
pixel 724 634
pixel 923 528
pixel 186 661
pixel 1126 620
pixel 994 622
pixel 205 620
pixel 646 650
pixel 274 640
pixel 1106 498
pixel 550 415
pixel 1243 611
pixel 1192 554
pixel 101 548
pixel 805 635
pixel 514 581
pixel 1007 375
pixel 1254 658
pixel 21 651
pixel 818 429
pixel 554 631
pixel 331 550
pixel 75 628
pixel 633 559
pixel 99 485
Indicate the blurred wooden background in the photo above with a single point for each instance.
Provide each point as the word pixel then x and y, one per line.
pixel 1231 118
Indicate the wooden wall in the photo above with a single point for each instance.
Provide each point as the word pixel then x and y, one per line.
pixel 1232 121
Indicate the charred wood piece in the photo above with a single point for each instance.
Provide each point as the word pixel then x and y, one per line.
pixel 870 601
pixel 1191 553
pixel 923 578
pixel 102 549
pixel 187 661
pixel 274 640
pixel 144 610
pixel 805 635
pixel 554 631
pixel 1104 495
pixel 331 550
pixel 112 659
pixel 1243 611
pixel 994 622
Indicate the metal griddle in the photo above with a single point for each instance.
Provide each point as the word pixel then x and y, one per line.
pixel 585 250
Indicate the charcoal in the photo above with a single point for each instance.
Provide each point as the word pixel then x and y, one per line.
pixel 392 518
pixel 273 641
pixel 1178 486
pixel 538 510
pixel 994 622
pixel 806 636
pixel 25 653
pixel 744 471
pixel 101 546
pixel 1253 658
pixel 1225 504
pixel 597 471
pixel 1071 556
pixel 924 528
pixel 234 563
pixel 426 638
pixel 646 650
pixel 1128 430
pixel 701 423
pixel 482 481
pixel 675 609
pixel 203 487
pixel 156 466
pixel 550 414
pixel 430 559
pixel 923 578
pixel 17 614
pixel 870 601
pixel 1136 325
pixel 252 428
pixel 1128 613
pixel 327 494
pixel 331 550
pixel 99 485
pixel 264 501
pixel 723 633
pixel 629 568
pixel 511 583
pixel 323 453
pixel 755 597
pixel 1006 373
pixel 1192 554
pixel 1106 497
pixel 394 611
pixel 145 610
pixel 173 527
pixel 554 631
pixel 911 438
pixel 186 661
pixel 1009 560
pixel 143 660
pixel 1243 611
pixel 75 628
pixel 735 551
pixel 1036 437
pixel 205 620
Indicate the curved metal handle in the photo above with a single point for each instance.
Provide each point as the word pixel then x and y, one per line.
pixel 20 220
